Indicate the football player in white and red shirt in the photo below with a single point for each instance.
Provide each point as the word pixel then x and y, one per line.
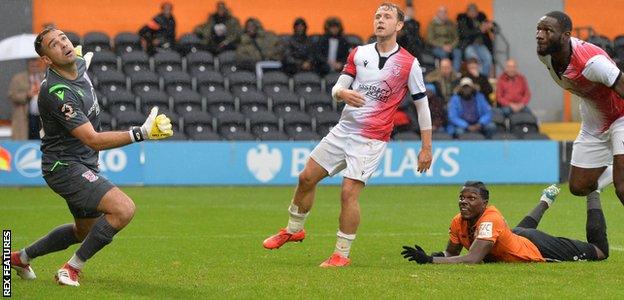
pixel 588 72
pixel 379 74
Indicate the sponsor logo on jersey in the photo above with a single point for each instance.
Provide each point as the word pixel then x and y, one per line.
pixel 485 230
pixel 88 175
pixel 263 163
pixel 68 110
pixel 379 92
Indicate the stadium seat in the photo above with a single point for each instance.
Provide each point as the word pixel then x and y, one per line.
pixel 427 62
pixel 441 136
pixel 177 136
pixel 618 47
pixel 209 81
pixel 252 101
pixel 306 136
pixel 167 61
pixel 327 119
pixel 263 122
pixel 124 120
pixel 602 42
pixel 239 136
pixel 73 37
pixel 190 43
pixel 317 103
pixel 187 101
pixel 406 136
pixel 199 61
pixel 206 136
pixel 120 101
pixel 153 98
pixel 272 136
pixel 227 62
pixel 307 82
pixel 522 123
pixel 534 136
pixel 285 102
pixel 104 61
pixel 241 82
pixel 471 136
pixel 504 136
pixel 177 81
pixel 231 122
pixel 220 101
pixel 197 122
pixel 96 41
pixel 106 121
pixel 136 61
pixel 275 81
pixel 296 122
pixel 127 42
pixel 142 82
pixel 330 81
pixel 499 120
pixel 111 81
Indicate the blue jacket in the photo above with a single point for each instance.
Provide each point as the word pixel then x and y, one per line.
pixel 455 111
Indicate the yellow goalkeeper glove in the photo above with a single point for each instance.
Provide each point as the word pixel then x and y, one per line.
pixel 87 57
pixel 156 127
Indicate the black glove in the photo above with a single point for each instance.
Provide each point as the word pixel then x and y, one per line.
pixel 416 254
pixel 437 254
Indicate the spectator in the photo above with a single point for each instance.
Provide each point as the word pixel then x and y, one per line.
pixel 442 35
pixel 221 32
pixel 23 93
pixel 332 48
pixel 160 31
pixel 257 45
pixel 298 56
pixel 444 78
pixel 475 36
pixel 438 109
pixel 409 36
pixel 468 111
pixel 472 70
pixel 512 91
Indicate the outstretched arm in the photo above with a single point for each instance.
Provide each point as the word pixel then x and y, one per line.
pixel 478 250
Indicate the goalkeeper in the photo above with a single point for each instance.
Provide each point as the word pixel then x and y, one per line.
pixel 70 142
pixel 482 230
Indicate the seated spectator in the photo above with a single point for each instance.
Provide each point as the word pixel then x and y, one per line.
pixel 445 79
pixel 438 109
pixel 23 94
pixel 472 71
pixel 468 111
pixel 298 56
pixel 409 36
pixel 442 35
pixel 221 32
pixel 475 36
pixel 512 91
pixel 257 45
pixel 332 49
pixel 159 32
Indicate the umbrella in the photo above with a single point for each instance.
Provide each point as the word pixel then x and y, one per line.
pixel 18 47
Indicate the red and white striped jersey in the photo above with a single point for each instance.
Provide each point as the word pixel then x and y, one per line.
pixel 590 75
pixel 383 81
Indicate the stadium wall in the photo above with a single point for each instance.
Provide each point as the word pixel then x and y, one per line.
pixel 279 163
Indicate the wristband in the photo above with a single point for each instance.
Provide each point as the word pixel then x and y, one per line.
pixel 135 134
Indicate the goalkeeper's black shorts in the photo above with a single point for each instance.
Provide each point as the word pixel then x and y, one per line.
pixel 558 248
pixel 81 187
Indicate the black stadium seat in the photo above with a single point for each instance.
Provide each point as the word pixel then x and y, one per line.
pixel 96 41
pixel 73 37
pixel 167 61
pixel 296 122
pixel 189 43
pixel 104 61
pixel 199 61
pixel 220 101
pixel 227 62
pixel 136 61
pixel 177 81
pixel 209 81
pixel 231 122
pixel 120 101
pixel 253 101
pixel 154 98
pixel 522 123
pixel 242 82
pixel 197 123
pixel 307 82
pixel 110 81
pixel 145 81
pixel 127 42
pixel 263 122
pixel 187 101
pixel 285 102
pixel 126 119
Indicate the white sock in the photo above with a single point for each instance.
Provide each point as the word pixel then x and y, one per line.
pixel 24 257
pixel 76 262
pixel 605 178
pixel 296 220
pixel 343 243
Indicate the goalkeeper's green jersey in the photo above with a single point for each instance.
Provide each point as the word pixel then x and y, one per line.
pixel 64 105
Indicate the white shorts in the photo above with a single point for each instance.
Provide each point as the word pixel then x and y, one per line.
pixel 594 151
pixel 359 155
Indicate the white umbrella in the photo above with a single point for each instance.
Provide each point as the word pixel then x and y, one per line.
pixel 18 47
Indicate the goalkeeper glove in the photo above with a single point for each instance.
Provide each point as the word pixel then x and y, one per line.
pixel 416 254
pixel 87 57
pixel 155 127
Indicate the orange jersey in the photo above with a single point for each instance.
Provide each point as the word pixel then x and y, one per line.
pixel 491 226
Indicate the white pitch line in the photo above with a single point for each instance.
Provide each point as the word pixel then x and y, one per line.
pixel 616 248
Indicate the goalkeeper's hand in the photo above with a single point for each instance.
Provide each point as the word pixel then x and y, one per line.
pixel 87 57
pixel 416 254
pixel 156 127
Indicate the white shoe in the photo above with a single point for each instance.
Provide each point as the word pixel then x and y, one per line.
pixel 67 275
pixel 23 270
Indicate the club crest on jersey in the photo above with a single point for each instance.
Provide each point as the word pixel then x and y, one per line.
pixel 68 111
pixel 88 175
pixel 378 92
pixel 396 70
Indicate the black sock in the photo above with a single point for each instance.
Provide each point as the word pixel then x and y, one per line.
pixel 56 240
pixel 596 230
pixel 101 234
pixel 534 217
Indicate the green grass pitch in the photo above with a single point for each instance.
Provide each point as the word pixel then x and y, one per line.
pixel 205 242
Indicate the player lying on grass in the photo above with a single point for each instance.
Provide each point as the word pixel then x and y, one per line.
pixel 482 230
pixel 71 140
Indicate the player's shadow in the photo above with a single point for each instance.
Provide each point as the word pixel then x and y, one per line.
pixel 129 288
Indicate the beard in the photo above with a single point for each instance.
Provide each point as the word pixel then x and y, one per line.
pixel 553 47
